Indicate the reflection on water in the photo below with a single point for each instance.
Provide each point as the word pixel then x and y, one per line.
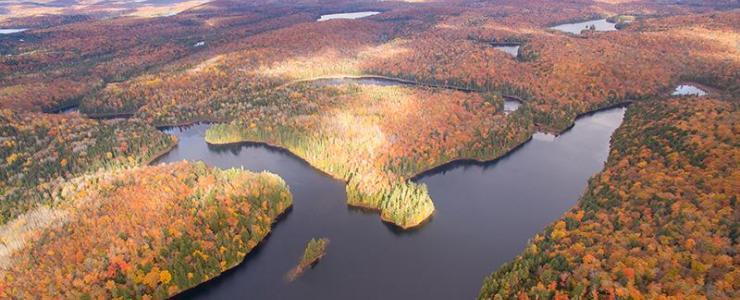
pixel 576 28
pixel 353 15
pixel 485 214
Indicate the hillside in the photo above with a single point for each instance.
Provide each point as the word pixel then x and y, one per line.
pixel 39 151
pixel 143 232
pixel 660 220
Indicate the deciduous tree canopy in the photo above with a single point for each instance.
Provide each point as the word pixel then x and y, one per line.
pixel 143 232
pixel 660 220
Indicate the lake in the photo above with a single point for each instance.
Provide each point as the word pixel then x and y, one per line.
pixel 688 90
pixel 511 50
pixel 485 213
pixel 576 28
pixel 511 105
pixel 352 15
pixel 11 30
pixel 69 110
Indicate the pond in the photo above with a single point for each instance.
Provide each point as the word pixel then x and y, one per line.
pixel 69 110
pixel 576 28
pixel 511 104
pixel 511 50
pixel 485 214
pixel 65 109
pixel 352 15
pixel 12 30
pixel 688 90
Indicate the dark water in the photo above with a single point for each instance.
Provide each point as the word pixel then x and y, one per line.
pixel 69 110
pixel 485 215
pixel 65 110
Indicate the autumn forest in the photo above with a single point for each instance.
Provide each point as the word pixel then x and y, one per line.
pixel 102 195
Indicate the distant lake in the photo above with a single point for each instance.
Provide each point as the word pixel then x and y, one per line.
pixel 511 104
pixel 688 90
pixel 360 81
pixel 576 28
pixel 512 50
pixel 485 214
pixel 352 15
pixel 65 110
pixel 12 30
pixel 69 110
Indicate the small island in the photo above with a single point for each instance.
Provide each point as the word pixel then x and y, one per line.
pixel 315 250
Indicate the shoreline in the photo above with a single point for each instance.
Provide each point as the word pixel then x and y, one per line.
pixel 160 154
pixel 453 163
pixel 375 210
pixel 619 104
pixel 181 293
pixel 363 208
pixel 372 209
pixel 429 171
pixel 410 227
pixel 277 148
pixel 59 109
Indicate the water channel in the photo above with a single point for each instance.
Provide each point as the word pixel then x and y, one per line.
pixel 485 214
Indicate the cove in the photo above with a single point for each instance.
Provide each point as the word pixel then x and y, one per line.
pixel 485 213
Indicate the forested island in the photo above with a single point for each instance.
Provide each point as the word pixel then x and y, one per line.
pixel 315 250
pixel 373 95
